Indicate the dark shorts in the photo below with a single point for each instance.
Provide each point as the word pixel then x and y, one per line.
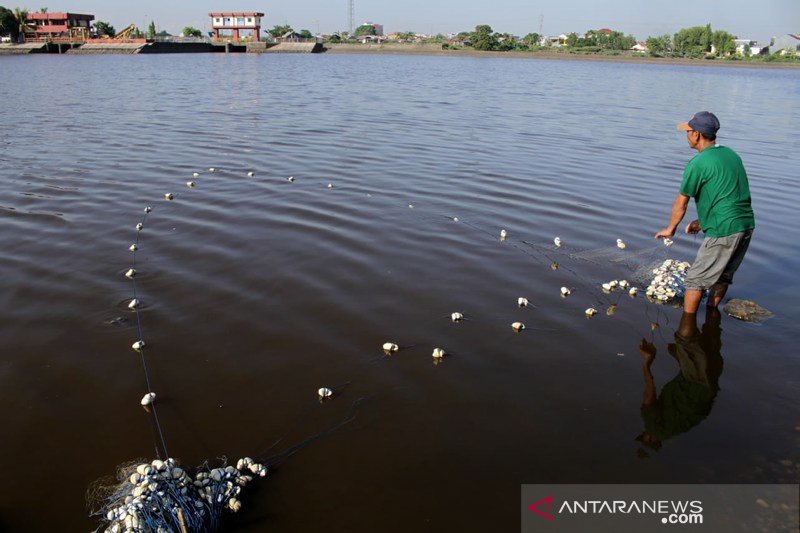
pixel 717 260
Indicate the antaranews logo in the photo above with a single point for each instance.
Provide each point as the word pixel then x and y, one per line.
pixel 668 511
pixel 534 507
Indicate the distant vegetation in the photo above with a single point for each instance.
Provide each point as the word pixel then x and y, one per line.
pixel 104 28
pixel 190 31
pixel 694 42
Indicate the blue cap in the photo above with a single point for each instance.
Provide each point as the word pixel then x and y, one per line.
pixel 703 121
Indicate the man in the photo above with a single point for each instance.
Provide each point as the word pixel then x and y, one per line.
pixel 716 179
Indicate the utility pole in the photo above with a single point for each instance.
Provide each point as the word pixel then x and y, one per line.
pixel 541 23
pixel 351 15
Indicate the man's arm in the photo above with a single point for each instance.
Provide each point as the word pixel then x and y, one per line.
pixel 678 211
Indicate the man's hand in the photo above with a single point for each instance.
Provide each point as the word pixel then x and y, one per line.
pixel 665 233
pixel 678 210
pixel 693 227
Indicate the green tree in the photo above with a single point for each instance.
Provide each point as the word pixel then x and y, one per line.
pixel 723 42
pixel 616 40
pixel 42 10
pixel 151 30
pixel 573 40
pixel 747 51
pixel 305 34
pixel 190 31
pixel 708 38
pixel 279 31
pixel 592 38
pixel 365 29
pixel 505 42
pixel 532 39
pixel 483 38
pixel 8 23
pixel 104 28
pixel 694 41
pixel 659 45
pixel 22 22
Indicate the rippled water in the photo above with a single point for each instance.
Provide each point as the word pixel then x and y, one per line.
pixel 257 291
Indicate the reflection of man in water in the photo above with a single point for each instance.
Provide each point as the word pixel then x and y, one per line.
pixel 687 399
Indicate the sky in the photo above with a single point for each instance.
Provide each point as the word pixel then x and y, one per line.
pixel 751 19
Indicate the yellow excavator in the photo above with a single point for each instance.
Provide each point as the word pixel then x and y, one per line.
pixel 126 33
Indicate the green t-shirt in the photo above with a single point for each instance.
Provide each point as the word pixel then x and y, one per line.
pixel 716 179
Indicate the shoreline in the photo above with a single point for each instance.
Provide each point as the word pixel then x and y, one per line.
pixel 435 50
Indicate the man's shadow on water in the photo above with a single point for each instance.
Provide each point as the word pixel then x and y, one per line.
pixel 687 400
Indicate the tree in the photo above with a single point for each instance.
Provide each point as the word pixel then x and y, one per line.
pixel 659 45
pixel 747 51
pixel 573 40
pixel 22 22
pixel 694 41
pixel 8 23
pixel 42 10
pixel 532 39
pixel 723 42
pixel 365 29
pixel 616 40
pixel 190 31
pixel 505 42
pixel 305 34
pixel 483 38
pixel 104 28
pixel 280 31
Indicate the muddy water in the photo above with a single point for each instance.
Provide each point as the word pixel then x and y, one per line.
pixel 257 291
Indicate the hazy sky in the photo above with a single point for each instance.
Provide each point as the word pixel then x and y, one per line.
pixel 754 19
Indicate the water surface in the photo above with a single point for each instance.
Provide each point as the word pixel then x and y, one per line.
pixel 257 291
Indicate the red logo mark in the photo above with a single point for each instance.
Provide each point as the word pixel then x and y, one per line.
pixel 549 500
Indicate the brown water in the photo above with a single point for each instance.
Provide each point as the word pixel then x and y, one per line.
pixel 258 291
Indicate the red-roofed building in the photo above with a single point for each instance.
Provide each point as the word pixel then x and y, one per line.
pixel 235 22
pixel 59 25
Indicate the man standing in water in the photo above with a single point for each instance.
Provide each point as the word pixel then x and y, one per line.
pixel 716 179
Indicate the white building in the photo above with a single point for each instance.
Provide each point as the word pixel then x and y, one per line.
pixel 743 44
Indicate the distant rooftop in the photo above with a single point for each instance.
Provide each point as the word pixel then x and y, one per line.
pixel 58 16
pixel 236 14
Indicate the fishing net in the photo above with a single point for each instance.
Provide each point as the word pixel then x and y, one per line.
pixel 668 281
pixel 160 496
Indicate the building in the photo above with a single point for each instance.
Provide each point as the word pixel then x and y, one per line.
pixel 743 45
pixel 785 44
pixel 639 47
pixel 555 42
pixel 48 26
pixel 235 22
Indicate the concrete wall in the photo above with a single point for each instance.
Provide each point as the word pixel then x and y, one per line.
pixel 400 48
pixel 21 49
pixel 295 48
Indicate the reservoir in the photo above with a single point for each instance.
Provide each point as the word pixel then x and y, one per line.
pixel 256 291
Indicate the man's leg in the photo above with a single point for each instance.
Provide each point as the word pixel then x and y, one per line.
pixel 716 293
pixel 691 300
